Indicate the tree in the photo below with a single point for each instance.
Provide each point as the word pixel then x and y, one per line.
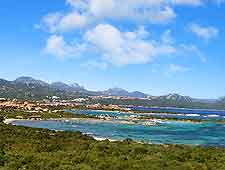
pixel 1 119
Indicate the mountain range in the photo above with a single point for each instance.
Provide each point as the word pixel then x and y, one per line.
pixel 30 88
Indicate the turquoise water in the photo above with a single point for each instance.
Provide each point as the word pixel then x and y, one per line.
pixel 190 114
pixel 202 112
pixel 167 132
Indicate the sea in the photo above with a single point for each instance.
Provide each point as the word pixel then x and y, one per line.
pixel 209 132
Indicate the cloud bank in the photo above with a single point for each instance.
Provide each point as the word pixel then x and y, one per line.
pixel 112 44
pixel 207 32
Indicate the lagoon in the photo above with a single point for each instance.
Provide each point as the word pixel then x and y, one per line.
pixel 165 132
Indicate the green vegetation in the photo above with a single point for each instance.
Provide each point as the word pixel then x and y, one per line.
pixel 18 114
pixel 171 118
pixel 39 149
pixel 13 114
pixel 1 118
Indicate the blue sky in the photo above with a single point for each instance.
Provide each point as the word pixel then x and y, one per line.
pixel 158 47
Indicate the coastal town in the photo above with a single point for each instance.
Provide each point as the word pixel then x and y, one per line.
pixel 48 106
pixel 54 108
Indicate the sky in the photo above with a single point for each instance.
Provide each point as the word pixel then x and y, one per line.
pixel 154 46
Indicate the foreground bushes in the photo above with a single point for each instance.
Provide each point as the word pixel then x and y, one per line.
pixel 39 149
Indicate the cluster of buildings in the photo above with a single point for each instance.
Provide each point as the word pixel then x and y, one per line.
pixel 28 106
pixel 106 107
pixel 47 106
pixel 114 97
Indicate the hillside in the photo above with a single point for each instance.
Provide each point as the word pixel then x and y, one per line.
pixel 29 88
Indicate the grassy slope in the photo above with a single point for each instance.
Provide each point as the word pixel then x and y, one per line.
pixel 38 149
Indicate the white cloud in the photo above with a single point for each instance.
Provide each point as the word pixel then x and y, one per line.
pixel 119 48
pixel 57 46
pixel 84 12
pixel 188 2
pixel 160 16
pixel 51 21
pixel 72 21
pixel 57 22
pixel 122 48
pixel 112 46
pixel 204 32
pixel 147 10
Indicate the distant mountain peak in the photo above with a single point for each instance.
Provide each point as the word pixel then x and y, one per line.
pixel 24 78
pixel 138 94
pixel 124 93
pixel 59 86
pixel 66 87
pixel 30 80
pixel 76 85
pixel 176 97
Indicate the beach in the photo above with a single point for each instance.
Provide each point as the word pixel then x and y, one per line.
pixel 9 121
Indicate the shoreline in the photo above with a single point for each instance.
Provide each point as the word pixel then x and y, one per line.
pixel 103 139
pixel 10 121
pixel 146 122
pixel 144 112
pixel 97 138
